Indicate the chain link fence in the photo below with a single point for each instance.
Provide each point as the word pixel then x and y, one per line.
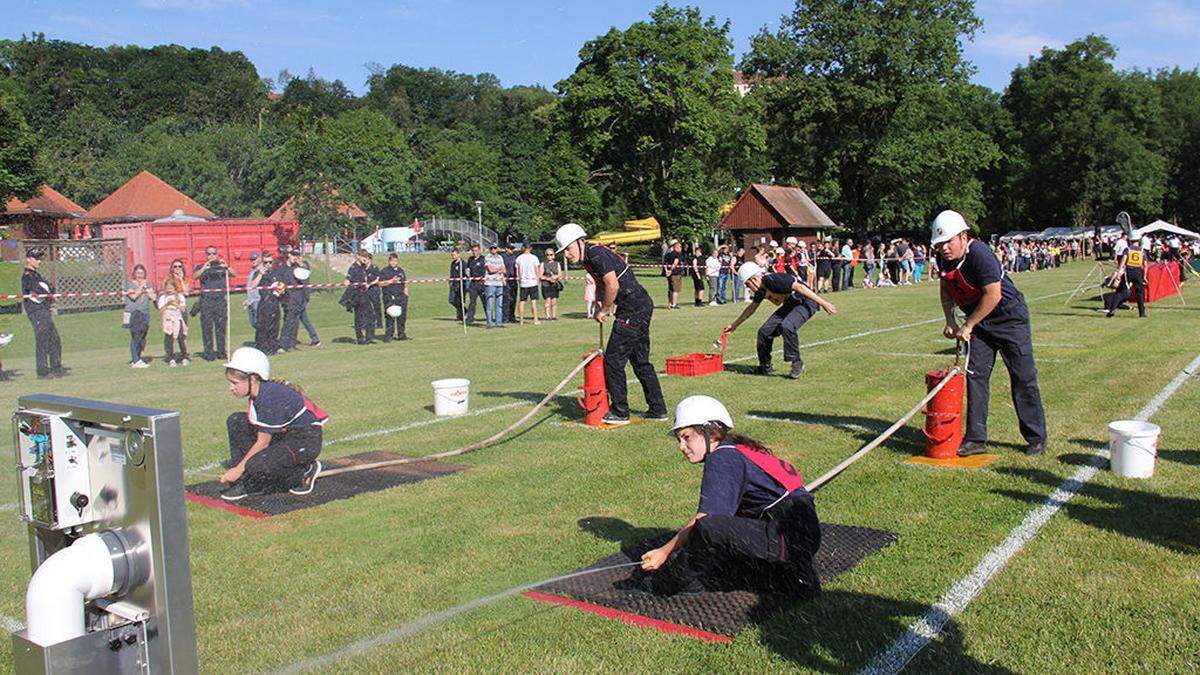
pixel 82 266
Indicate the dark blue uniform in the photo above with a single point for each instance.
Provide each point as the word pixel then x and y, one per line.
pixel 458 285
pixel 629 341
pixel 1133 282
pixel 293 307
pixel 794 309
pixel 266 330
pixel 214 279
pixel 373 294
pixel 294 423
pixel 1006 330
pixel 355 299
pixel 393 294
pixel 510 287
pixel 47 345
pixel 755 533
pixel 476 270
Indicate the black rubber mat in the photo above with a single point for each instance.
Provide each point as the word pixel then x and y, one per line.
pixel 721 612
pixel 343 486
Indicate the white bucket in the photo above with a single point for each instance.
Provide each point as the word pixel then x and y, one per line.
pixel 1133 447
pixel 450 396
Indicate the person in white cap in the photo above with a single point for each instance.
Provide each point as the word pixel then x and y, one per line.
pixel 1130 276
pixel 273 445
pixel 623 299
pixel 797 303
pixel 756 526
pixel 997 321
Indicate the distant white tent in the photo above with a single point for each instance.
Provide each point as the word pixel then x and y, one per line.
pixel 1164 226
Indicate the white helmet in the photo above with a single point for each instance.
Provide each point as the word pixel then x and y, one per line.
pixel 774 244
pixel 790 240
pixel 395 311
pixel 748 270
pixel 697 410
pixel 302 273
pixel 946 225
pixel 803 244
pixel 250 360
pixel 568 234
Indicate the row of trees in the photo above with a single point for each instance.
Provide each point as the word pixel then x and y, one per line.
pixel 867 104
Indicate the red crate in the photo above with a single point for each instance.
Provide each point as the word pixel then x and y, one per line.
pixel 694 365
pixel 698 363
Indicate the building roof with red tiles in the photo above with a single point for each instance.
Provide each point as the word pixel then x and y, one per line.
pixel 49 202
pixel 145 197
pixel 287 210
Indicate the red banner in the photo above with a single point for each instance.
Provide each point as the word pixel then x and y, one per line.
pixel 1162 280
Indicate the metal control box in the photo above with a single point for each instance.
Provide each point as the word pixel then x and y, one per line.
pixel 96 468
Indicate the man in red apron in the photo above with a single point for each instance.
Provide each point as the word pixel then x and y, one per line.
pixel 973 280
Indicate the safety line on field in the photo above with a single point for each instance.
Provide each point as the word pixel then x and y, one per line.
pixel 423 423
pixel 955 600
pixel 877 331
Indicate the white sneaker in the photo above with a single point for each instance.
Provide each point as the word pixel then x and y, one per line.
pixel 139 364
pixel 172 363
pixel 185 362
pixel 712 303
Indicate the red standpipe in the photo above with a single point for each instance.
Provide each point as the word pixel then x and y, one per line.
pixel 943 416
pixel 595 393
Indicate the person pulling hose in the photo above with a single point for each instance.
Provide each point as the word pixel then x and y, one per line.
pixel 756 526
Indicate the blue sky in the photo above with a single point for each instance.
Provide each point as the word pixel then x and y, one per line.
pixel 536 42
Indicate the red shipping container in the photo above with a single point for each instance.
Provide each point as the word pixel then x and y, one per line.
pixel 155 244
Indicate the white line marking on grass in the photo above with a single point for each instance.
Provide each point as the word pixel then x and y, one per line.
pixel 848 426
pixel 13 506
pixel 929 626
pixel 424 423
pixel 1040 359
pixel 843 338
pixel 10 624
pixel 877 331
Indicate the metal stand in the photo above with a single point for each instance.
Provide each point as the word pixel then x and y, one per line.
pixel 1083 283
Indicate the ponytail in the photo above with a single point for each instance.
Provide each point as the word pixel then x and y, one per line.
pixel 748 442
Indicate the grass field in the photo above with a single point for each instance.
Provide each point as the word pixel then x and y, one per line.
pixel 1110 584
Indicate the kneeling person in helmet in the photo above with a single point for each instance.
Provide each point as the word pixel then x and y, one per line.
pixel 273 446
pixel 797 303
pixel 623 298
pixel 997 321
pixel 756 526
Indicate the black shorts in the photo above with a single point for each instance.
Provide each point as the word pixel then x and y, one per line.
pixel 530 293
pixel 549 291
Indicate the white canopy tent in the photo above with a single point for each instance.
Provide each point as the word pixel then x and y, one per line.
pixel 1164 226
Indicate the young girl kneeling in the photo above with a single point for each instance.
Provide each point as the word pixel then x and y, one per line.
pixel 756 526
pixel 273 446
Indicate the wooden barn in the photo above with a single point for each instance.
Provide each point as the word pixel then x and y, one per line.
pixel 39 217
pixel 767 213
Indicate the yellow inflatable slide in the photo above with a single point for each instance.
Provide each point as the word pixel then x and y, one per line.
pixel 636 231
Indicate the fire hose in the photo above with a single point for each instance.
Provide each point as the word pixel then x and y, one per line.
pixel 491 440
pixel 962 357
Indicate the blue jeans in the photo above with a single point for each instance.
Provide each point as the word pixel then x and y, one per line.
pixel 917 269
pixel 252 309
pixel 847 275
pixel 737 288
pixel 723 288
pixel 493 305
pixel 308 326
